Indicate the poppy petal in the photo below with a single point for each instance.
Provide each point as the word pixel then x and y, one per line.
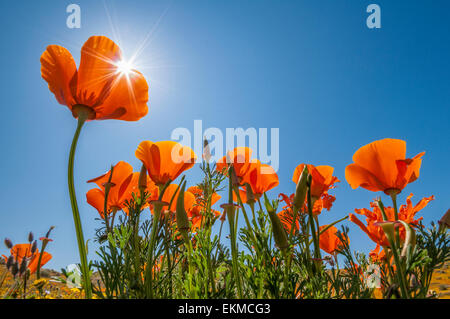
pixel 58 68
pixel 97 72
pixel 128 98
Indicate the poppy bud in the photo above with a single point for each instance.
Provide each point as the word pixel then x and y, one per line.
pixel 300 190
pixel 206 151
pixel 381 206
pixel 234 178
pixel 181 215
pixel 15 268
pixel 8 243
pixel 49 231
pixel 143 179
pixel 30 237
pixel 23 267
pixel 34 247
pixel 9 262
pixel 279 234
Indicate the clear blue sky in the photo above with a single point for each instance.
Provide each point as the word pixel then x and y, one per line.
pixel 312 69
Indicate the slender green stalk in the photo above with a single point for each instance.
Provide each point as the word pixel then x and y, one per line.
pixel 156 216
pixel 312 225
pixel 188 244
pixel 233 232
pixel 76 215
pixel 149 266
pixel 394 203
pixel 400 273
pixel 234 256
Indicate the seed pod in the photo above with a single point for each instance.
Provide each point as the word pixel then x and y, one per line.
pixel 234 178
pixel 23 266
pixel 34 247
pixel 181 215
pixel 15 268
pixel 9 262
pixel 8 243
pixel 206 151
pixel 30 237
pixel 49 231
pixel 300 190
pixel 143 179
pixel 279 234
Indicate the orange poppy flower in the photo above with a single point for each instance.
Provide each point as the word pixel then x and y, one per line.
pixel 198 220
pixel 322 178
pixel 377 256
pixel 189 198
pixel 21 251
pixel 406 213
pixel 100 84
pixel 165 160
pixel 324 202
pixel 329 241
pixel 286 217
pixel 382 166
pixel 200 200
pixel 240 159
pixel 262 178
pixel 123 184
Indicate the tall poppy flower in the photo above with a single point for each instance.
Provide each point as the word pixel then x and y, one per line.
pixel 329 241
pixel 286 215
pixel 382 166
pixel 322 178
pixel 101 88
pixel 240 158
pixel 406 213
pixel 262 178
pixel 170 196
pixel 165 160
pixel 100 85
pixel 195 213
pixel 123 184
pixel 200 200
pixel 21 251
pixel 377 255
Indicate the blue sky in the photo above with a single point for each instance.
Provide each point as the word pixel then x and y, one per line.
pixel 312 69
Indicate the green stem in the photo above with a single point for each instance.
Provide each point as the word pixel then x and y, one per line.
pixel 312 225
pixel 401 275
pixel 76 215
pixel 149 266
pixel 394 202
pixel 156 217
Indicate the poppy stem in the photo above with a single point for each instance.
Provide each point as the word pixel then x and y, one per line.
pixel 76 215
pixel 312 225
pixel 394 203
